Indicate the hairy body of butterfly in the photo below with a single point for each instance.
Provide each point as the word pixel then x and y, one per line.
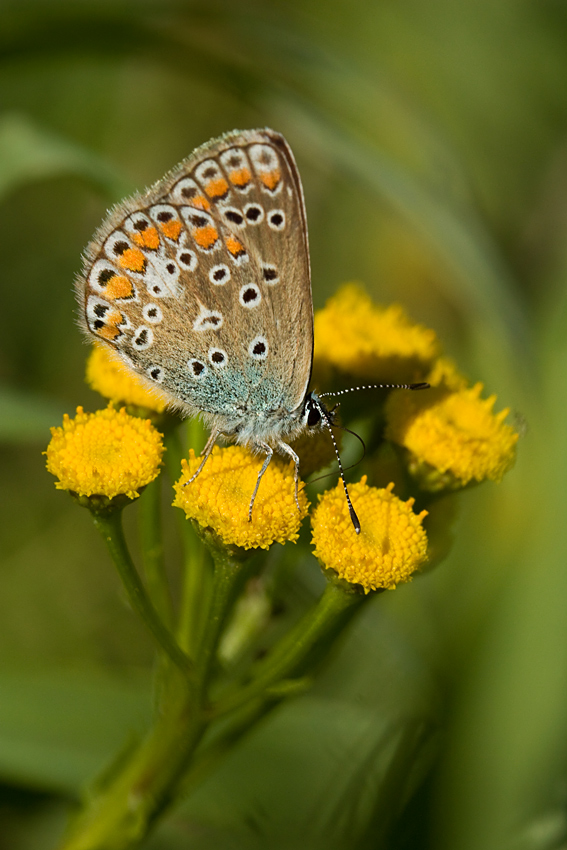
pixel 201 286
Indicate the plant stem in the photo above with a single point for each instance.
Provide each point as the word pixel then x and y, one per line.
pixel 290 656
pixel 121 814
pixel 149 523
pixel 110 526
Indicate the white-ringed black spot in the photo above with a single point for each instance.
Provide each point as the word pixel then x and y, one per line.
pixel 198 220
pixel 218 358
pixel 156 373
pixel 187 259
pixel 164 216
pixel 264 157
pixel 270 273
pixel 219 275
pixel 258 348
pixel 276 219
pixel 105 275
pixel 197 368
pixel 119 247
pixel 143 338
pixel 171 268
pixel 152 314
pixel 250 295
pixel 141 224
pixel 208 173
pixel 208 320
pixel 254 213
pixel 100 310
pixel 234 216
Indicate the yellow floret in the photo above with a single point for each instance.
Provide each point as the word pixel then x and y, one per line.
pixel 112 379
pixel 106 453
pixel 452 438
pixel 392 543
pixel 354 336
pixel 220 496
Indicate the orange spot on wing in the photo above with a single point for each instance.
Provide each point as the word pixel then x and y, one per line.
pixel 148 238
pixel 108 333
pixel 109 330
pixel 240 177
pixel 200 202
pixel 234 246
pixel 270 179
pixel 133 260
pixel 172 229
pixel 217 188
pixel 205 237
pixel 118 287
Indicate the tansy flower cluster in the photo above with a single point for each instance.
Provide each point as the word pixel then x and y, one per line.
pixel 448 435
pixel 107 453
pixel 107 375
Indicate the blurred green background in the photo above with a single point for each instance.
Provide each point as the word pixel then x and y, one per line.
pixel 431 139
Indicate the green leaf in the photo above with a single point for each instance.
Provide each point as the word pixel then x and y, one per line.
pixel 29 152
pixel 26 417
pixel 59 728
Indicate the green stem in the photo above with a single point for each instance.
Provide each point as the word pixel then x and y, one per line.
pixel 110 526
pixel 230 573
pixel 121 814
pixel 291 655
pixel 197 573
pixel 149 522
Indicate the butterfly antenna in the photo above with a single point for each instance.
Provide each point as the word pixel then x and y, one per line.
pixel 422 385
pixel 352 512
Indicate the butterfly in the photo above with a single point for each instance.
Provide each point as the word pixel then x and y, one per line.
pixel 202 287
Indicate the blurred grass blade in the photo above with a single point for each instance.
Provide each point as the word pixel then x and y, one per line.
pixel 29 152
pixel 26 417
pixel 59 728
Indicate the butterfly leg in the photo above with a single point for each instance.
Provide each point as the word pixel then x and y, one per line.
pixel 206 452
pixel 269 453
pixel 289 451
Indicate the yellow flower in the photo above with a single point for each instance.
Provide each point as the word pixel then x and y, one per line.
pixel 380 344
pixel 108 376
pixel 392 543
pixel 220 496
pixel 106 453
pixel 444 373
pixel 452 437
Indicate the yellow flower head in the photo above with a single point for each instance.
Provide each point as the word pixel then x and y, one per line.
pixel 452 437
pixel 106 453
pixel 392 543
pixel 109 377
pixel 355 336
pixel 220 495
